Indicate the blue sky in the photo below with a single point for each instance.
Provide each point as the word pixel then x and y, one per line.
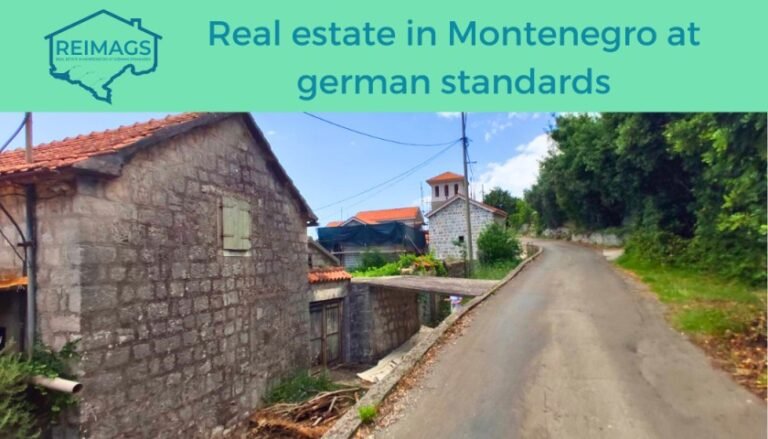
pixel 329 164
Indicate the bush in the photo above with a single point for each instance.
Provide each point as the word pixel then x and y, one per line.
pixel 372 259
pixel 24 407
pixel 17 418
pixel 655 245
pixel 497 244
pixel 299 387
pixel 367 413
pixel 419 264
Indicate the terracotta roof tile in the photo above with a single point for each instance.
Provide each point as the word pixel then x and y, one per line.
pixel 328 274
pixel 334 224
pixel 445 176
pixel 71 150
pixel 383 215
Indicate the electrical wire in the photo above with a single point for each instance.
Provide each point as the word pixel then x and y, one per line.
pixel 394 180
pixel 373 136
pixel 15 133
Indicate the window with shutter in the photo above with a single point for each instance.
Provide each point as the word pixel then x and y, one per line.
pixel 235 225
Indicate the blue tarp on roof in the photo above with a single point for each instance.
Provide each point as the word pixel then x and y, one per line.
pixel 393 232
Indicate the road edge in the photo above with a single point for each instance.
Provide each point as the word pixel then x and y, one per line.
pixel 348 425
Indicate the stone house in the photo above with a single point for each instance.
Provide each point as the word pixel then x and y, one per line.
pixel 318 256
pixel 447 219
pixel 175 250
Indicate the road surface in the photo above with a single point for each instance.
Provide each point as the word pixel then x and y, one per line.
pixel 571 349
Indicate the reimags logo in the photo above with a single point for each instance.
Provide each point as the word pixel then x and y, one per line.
pixel 94 51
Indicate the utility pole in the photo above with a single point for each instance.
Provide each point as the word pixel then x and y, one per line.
pixel 465 145
pixel 421 196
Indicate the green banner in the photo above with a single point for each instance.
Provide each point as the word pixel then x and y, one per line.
pixel 384 56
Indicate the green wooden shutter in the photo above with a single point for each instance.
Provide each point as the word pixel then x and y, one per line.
pixel 244 226
pixel 236 224
pixel 229 218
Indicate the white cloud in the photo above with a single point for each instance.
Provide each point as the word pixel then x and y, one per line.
pixel 520 171
pixel 497 126
pixel 449 115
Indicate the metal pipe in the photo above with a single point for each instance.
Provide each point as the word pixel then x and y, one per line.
pixel 28 132
pixel 57 384
pixel 30 324
pixel 30 196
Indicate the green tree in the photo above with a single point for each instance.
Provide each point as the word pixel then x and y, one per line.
pixel 691 187
pixel 501 199
pixel 519 212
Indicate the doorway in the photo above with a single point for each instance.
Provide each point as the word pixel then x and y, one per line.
pixel 325 332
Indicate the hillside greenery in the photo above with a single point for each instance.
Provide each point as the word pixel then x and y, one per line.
pixel 690 188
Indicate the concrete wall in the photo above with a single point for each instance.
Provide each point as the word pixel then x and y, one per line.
pixel 178 340
pixel 448 224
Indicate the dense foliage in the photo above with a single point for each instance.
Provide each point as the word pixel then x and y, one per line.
pixel 690 187
pixel 25 408
pixel 519 212
pixel 372 259
pixel 418 264
pixel 496 244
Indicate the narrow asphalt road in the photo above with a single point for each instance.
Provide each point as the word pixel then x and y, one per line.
pixel 570 349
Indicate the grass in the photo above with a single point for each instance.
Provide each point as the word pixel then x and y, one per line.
pixel 700 303
pixel 495 271
pixel 299 388
pixel 367 413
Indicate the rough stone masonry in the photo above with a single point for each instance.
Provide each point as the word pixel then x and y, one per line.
pixel 177 338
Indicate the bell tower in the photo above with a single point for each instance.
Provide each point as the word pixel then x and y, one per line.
pixel 444 187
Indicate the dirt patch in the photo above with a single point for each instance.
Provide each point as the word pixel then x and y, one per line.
pixel 743 355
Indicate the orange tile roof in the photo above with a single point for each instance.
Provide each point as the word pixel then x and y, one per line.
pixel 383 215
pixel 334 224
pixel 328 274
pixel 445 176
pixel 13 282
pixel 67 152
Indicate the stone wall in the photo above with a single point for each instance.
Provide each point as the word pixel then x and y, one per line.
pixel 358 318
pixel 599 238
pixel 58 260
pixel 318 258
pixel 448 224
pixel 178 340
pixel 395 316
pixel 171 326
pixel 379 320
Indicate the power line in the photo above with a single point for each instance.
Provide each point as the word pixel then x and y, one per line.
pixel 385 184
pixel 373 136
pixel 15 133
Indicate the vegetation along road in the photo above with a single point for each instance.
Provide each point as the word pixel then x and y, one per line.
pixel 571 348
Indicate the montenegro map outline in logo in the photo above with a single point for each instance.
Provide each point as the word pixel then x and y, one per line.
pixel 96 50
